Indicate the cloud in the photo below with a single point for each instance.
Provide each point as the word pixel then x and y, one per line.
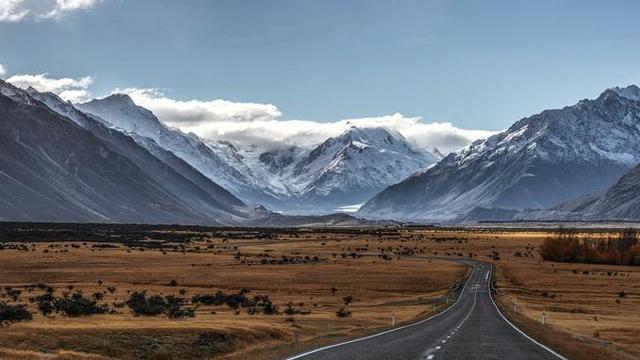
pixel 3 70
pixel 22 10
pixel 68 89
pixel 195 112
pixel 255 123
pixel 260 124
pixel 63 7
pixel 11 11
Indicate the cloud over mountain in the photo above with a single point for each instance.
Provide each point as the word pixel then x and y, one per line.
pixel 69 89
pixel 256 123
pixel 261 124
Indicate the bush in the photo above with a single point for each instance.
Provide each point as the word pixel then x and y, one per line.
pixel 233 301
pixel 46 304
pixel 568 246
pixel 78 305
pixel 342 313
pixel 171 306
pixel 141 305
pixel 14 313
pixel 73 305
pixel 174 310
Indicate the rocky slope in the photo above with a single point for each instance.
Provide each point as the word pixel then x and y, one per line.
pixel 57 164
pixel 538 162
pixel 344 170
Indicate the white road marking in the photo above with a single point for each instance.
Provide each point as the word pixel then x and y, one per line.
pixel 434 316
pixel 388 331
pixel 522 332
pixel 438 347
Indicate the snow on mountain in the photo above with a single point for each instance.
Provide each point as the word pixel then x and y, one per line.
pixel 539 161
pixel 121 112
pixel 352 167
pixel 341 171
pixel 58 164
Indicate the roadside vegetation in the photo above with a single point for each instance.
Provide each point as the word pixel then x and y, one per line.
pixel 567 245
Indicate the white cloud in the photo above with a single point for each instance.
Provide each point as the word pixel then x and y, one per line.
pixel 260 124
pixel 194 112
pixel 68 89
pixel 255 123
pixel 12 11
pixel 22 10
pixel 62 7
pixel 3 70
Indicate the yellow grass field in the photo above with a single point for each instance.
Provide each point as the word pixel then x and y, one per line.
pixel 384 271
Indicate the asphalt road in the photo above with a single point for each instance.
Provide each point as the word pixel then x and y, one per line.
pixel 473 328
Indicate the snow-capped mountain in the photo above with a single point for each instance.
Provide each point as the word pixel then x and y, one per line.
pixel 58 164
pixel 345 170
pixel 350 168
pixel 538 162
pixel 119 111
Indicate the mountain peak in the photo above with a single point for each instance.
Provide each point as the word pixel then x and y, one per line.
pixel 120 111
pixel 370 133
pixel 118 98
pixel 631 92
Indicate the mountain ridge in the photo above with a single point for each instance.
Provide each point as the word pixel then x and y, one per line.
pixel 539 161
pixel 291 179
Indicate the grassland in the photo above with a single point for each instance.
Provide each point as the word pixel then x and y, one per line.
pixel 309 271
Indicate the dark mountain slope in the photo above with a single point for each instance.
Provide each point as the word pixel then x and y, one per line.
pixel 52 169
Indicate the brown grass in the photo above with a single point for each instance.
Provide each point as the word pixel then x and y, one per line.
pixel 378 287
pixel 586 318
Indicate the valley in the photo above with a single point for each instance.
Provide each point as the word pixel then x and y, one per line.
pixel 309 275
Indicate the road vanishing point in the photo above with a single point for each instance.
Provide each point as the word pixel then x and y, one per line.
pixel 472 328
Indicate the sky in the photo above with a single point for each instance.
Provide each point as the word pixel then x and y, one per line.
pixel 441 72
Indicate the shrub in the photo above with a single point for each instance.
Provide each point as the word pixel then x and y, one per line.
pixel 74 305
pixel 78 305
pixel 14 313
pixel 174 310
pixel 46 304
pixel 171 306
pixel 233 301
pixel 141 305
pixel 342 313
pixel 567 246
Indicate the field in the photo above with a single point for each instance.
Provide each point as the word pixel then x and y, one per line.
pixel 368 276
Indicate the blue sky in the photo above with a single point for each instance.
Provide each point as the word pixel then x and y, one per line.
pixel 475 64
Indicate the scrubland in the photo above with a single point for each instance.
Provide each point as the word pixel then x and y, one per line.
pixel 302 288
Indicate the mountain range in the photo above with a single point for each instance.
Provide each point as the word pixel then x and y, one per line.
pixel 58 164
pixel 341 171
pixel 537 163
pixel 110 160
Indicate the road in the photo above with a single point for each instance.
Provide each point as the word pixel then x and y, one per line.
pixel 472 328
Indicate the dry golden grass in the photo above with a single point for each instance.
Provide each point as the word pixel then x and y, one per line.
pixel 586 317
pixel 379 288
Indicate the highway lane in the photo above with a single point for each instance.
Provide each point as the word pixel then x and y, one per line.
pixel 472 328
